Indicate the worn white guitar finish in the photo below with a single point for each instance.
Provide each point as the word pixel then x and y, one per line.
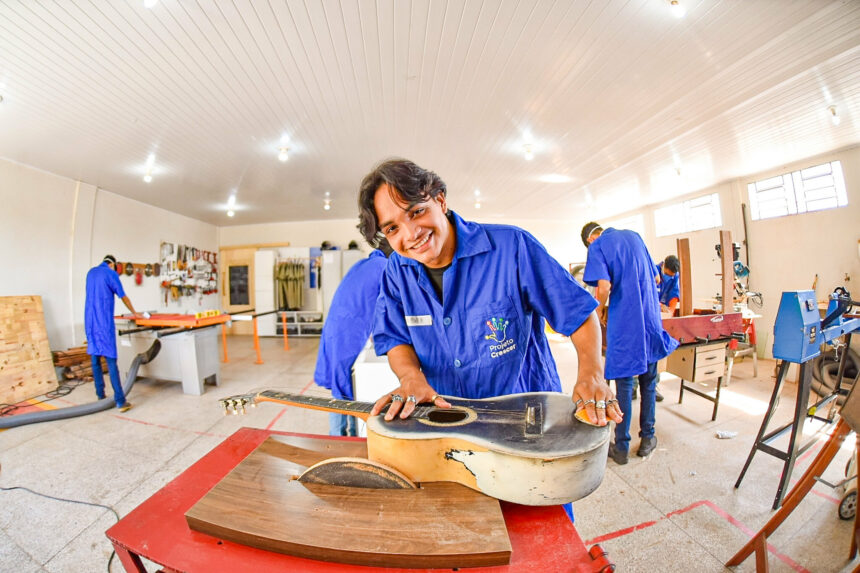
pixel 523 448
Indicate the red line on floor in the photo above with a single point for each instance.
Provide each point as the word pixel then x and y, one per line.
pixel 719 511
pixel 276 418
pixel 305 389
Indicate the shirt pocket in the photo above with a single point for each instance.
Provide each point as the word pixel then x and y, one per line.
pixel 496 333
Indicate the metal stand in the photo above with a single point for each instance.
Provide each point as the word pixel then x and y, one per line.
pixel 764 438
pixel 715 399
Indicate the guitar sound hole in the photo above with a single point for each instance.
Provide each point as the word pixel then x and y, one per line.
pixel 440 416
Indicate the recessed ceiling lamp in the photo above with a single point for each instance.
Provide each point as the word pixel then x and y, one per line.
pixel 150 161
pixel 327 201
pixel 149 3
pixel 528 151
pixel 833 117
pixel 230 213
pixel 282 153
pixel 477 198
pixel 677 10
pixel 554 178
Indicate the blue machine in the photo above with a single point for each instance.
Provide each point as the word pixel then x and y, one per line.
pixel 799 330
pixel 798 334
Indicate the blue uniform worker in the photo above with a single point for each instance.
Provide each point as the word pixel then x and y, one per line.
pixel 670 286
pixel 102 285
pixel 486 338
pixel 462 305
pixel 620 266
pixel 345 332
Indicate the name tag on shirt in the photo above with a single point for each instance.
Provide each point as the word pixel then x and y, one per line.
pixel 422 320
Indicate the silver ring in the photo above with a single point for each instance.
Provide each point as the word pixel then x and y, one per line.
pixel 411 398
pixel 600 404
pixel 587 402
pixel 578 403
pixel 611 401
pixel 396 398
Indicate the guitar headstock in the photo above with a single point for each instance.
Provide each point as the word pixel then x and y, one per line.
pixel 236 404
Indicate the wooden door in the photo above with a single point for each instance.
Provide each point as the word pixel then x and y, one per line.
pixel 237 285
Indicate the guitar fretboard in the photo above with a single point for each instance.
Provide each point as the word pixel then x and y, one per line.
pixel 342 406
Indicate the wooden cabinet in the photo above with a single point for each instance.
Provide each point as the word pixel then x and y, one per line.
pixel 698 363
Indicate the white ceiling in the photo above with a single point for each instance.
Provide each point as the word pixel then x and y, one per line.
pixel 615 94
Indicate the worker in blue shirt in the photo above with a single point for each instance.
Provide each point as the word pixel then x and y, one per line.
pixel 462 305
pixel 670 287
pixel 102 285
pixel 624 273
pixel 346 330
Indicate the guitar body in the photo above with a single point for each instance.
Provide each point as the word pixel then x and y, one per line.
pixel 523 448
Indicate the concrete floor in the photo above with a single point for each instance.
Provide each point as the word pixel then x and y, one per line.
pixel 676 510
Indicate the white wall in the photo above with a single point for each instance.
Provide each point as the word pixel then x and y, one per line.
pixel 338 232
pixel 53 229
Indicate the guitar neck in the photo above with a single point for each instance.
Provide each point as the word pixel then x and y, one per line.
pixel 351 407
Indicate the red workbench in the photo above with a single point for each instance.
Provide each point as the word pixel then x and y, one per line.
pixel 542 538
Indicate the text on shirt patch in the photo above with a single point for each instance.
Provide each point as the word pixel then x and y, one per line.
pixel 420 320
pixel 498 333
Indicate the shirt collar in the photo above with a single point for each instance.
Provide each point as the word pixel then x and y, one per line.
pixel 472 240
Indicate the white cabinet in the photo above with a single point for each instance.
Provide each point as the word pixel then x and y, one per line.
pixel 300 322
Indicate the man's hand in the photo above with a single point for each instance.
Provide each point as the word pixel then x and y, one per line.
pixel 413 390
pixel 589 394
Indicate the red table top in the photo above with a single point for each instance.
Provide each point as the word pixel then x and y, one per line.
pixel 542 538
pixel 184 320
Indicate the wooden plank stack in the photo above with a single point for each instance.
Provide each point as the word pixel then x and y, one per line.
pixel 76 363
pixel 26 369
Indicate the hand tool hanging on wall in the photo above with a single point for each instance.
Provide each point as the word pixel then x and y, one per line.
pixel 129 269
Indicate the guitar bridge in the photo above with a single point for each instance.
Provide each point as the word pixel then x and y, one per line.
pixel 534 419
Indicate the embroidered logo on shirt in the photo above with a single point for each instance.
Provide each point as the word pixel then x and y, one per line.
pixel 498 333
pixel 420 320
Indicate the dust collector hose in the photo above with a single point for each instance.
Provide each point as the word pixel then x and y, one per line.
pixel 84 409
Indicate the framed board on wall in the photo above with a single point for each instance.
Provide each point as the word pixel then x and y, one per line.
pixel 239 293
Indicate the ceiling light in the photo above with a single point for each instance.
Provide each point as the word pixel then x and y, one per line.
pixel 477 204
pixel 147 177
pixel 833 117
pixel 282 153
pixel 149 3
pixel 554 178
pixel 230 213
pixel 677 10
pixel 528 149
pixel 327 201
pixel 232 200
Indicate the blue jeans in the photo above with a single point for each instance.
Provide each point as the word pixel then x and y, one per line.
pixel 647 406
pixel 342 425
pixel 99 381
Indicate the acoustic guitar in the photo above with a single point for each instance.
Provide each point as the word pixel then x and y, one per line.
pixel 523 448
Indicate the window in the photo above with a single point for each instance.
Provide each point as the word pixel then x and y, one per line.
pixel 691 215
pixel 633 223
pixel 812 189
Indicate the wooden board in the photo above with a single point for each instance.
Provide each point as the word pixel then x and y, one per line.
pixel 26 365
pixel 685 329
pixel 439 525
pixel 181 320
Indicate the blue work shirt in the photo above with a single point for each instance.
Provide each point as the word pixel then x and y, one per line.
pixel 102 285
pixel 669 286
pixel 634 334
pixel 348 324
pixel 488 337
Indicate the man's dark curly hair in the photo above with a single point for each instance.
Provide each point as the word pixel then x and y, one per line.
pixel 672 263
pixel 412 183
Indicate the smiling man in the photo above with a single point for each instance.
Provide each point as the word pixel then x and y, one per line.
pixel 462 305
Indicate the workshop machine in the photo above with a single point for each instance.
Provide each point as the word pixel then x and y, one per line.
pixel 799 332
